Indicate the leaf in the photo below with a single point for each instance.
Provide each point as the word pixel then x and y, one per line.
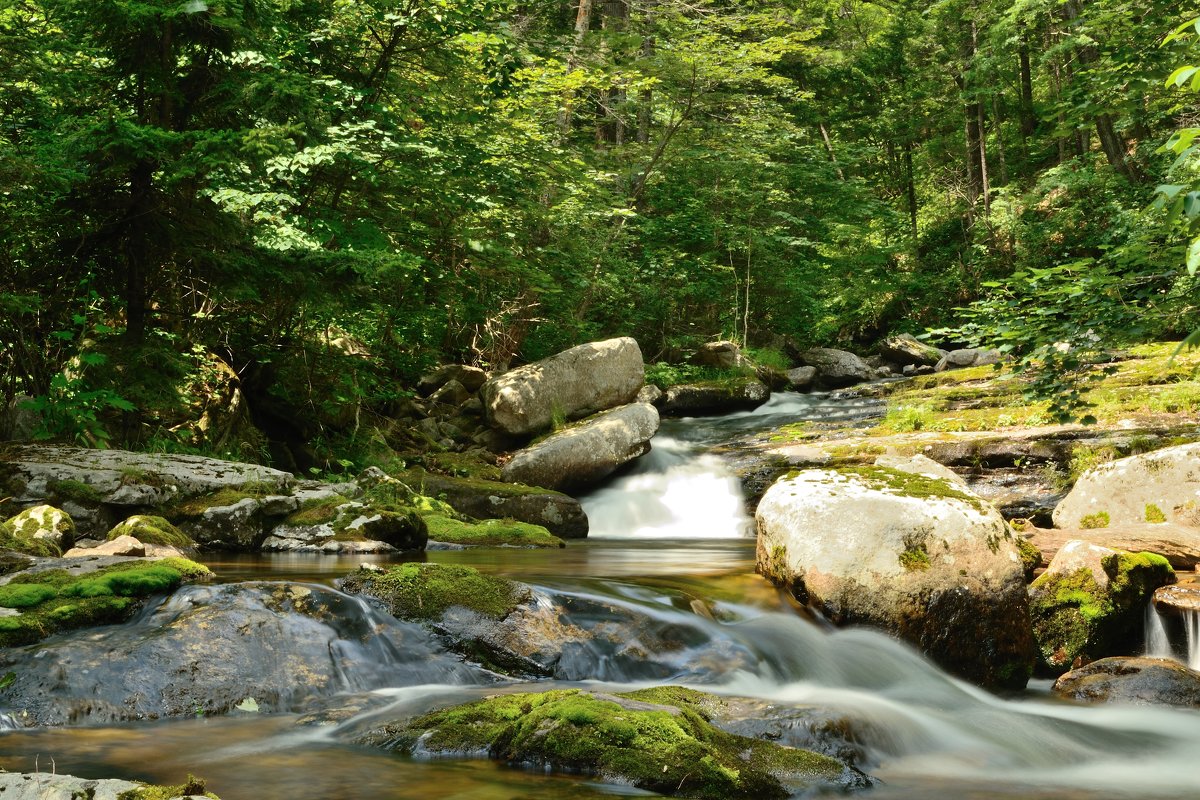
pixel 249 705
pixel 1193 256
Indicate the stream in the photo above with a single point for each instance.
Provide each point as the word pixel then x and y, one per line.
pixel 671 540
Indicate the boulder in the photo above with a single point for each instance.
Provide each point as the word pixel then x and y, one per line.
pixel 572 384
pixel 651 740
pixel 1089 603
pixel 588 452
pixel 714 397
pixel 721 355
pixel 149 529
pixel 1160 486
pixel 906 349
pixel 921 465
pixel 118 546
pixel 837 368
pixel 920 557
pixel 968 357
pixel 1132 681
pixel 470 378
pixel 47 524
pixel 1179 544
pixel 801 378
pixel 52 786
pixel 452 393
pixel 559 513
pixel 1182 598
pixel 649 394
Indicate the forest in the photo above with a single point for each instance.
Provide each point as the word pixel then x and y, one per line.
pixel 324 199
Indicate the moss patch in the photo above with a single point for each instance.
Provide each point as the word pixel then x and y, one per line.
pixel 151 530
pixel 490 532
pixel 55 600
pixel 192 787
pixel 915 559
pixel 319 511
pixel 9 540
pixel 668 748
pixel 1093 521
pixel 78 491
pixel 910 484
pixel 426 591
pixel 1031 557
pixel 1155 514
pixel 196 506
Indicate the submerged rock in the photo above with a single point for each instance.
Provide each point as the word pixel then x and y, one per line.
pixel 588 452
pixel 1135 681
pixel 715 397
pixel 1090 601
pixel 572 384
pixel 650 739
pixel 918 556
pixel 207 648
pixel 1160 486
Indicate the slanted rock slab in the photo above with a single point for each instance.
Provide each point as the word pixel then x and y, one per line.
pixel 1179 544
pixel 572 384
pixel 1132 681
pixel 918 556
pixel 1159 486
pixel 588 452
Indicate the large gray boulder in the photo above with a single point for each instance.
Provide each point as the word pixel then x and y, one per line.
pixel 1090 601
pixel 572 384
pixel 801 378
pixel 907 349
pixel 52 786
pixel 836 368
pixel 587 452
pixel 1160 486
pixel 918 556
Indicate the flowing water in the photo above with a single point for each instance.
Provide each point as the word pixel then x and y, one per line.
pixel 671 545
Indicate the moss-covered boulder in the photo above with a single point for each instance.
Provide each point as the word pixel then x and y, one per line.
pixel 664 747
pixel 149 529
pixel 48 601
pixel 1132 681
pixel 738 393
pixel 41 530
pixel 427 591
pixel 915 555
pixel 483 498
pixel 1089 603
pixel 489 532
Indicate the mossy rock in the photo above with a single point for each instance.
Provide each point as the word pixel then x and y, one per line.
pixel 1077 618
pixel 195 507
pixel 661 742
pixel 192 787
pixel 1031 557
pixel 426 591
pixel 39 531
pixel 55 600
pixel 912 484
pixel 493 532
pixel 151 530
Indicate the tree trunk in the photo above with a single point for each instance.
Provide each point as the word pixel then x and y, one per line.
pixel 1028 119
pixel 829 149
pixel 645 114
pixel 583 24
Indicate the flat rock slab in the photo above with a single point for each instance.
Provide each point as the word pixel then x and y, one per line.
pixel 1179 544
pixel 31 472
pixel 48 786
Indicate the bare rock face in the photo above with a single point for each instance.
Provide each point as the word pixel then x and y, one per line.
pixel 1179 544
pixel 837 368
pixel 1089 603
pixel 918 556
pixel 1160 486
pixel 570 385
pixel 1132 681
pixel 588 452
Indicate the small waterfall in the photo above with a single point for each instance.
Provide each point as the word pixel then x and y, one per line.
pixel 1191 631
pixel 1157 643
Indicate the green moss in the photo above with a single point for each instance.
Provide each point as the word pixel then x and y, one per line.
pixel 464 465
pixel 151 530
pixel 1154 514
pixel 196 506
pixel 667 747
pixel 1031 557
pixel 915 558
pixel 490 532
pixel 192 787
pixel 318 511
pixel 54 600
pixel 10 540
pixel 1074 617
pixel 78 491
pixel 910 484
pixel 1098 520
pixel 426 591
pixel 435 484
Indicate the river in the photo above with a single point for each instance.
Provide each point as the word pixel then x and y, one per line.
pixel 671 538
